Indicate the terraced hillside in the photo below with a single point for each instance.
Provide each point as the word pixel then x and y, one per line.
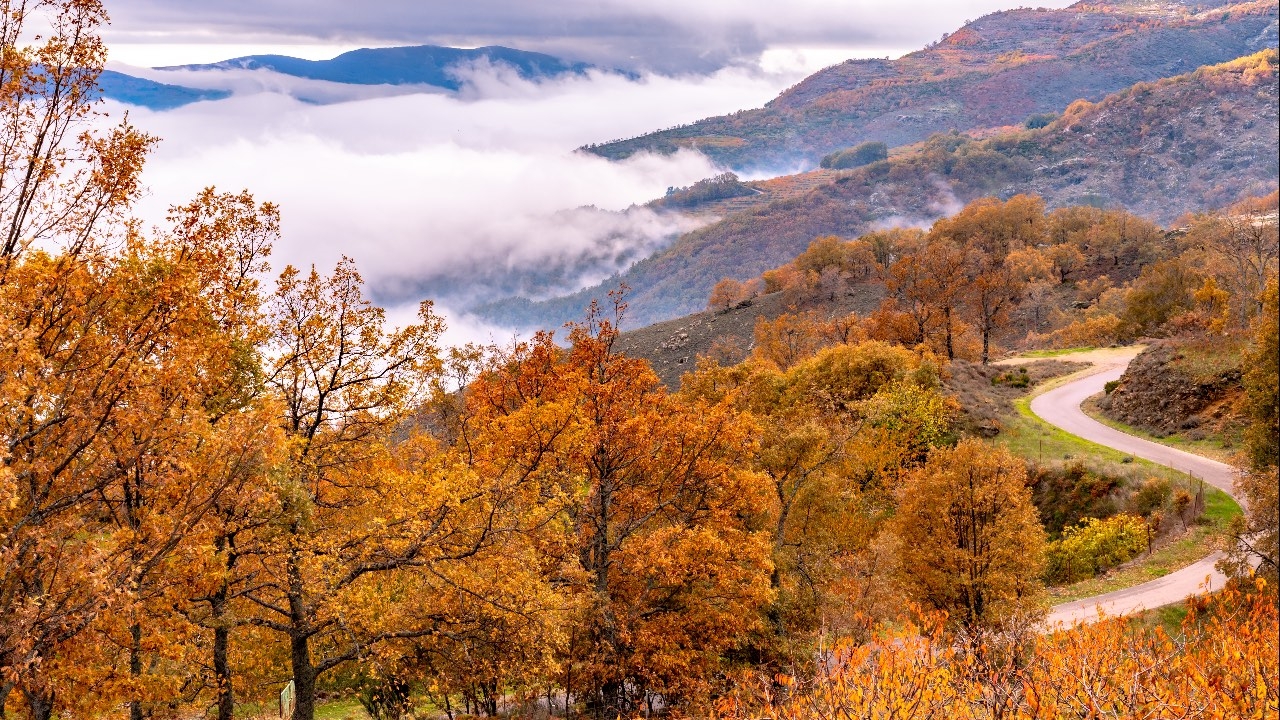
pixel 996 71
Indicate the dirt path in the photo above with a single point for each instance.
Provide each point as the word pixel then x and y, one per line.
pixel 1060 406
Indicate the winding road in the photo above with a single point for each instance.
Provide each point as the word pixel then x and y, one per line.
pixel 1061 407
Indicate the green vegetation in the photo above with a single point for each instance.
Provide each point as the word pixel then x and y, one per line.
pixel 1053 353
pixel 1035 122
pixel 343 709
pixel 1194 545
pixel 857 156
pixel 721 187
pixel 1095 545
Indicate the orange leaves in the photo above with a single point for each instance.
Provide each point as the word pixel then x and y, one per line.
pixel 639 500
pixel 1223 665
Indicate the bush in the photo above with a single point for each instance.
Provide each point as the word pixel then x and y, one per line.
pixel 1111 386
pixel 1068 494
pixel 1013 378
pixel 1153 495
pixel 1093 546
pixel 387 699
pixel 857 156
pixel 1035 122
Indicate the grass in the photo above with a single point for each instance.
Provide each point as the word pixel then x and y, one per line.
pixel 340 710
pixel 1206 360
pixel 1216 448
pixel 1030 437
pixel 1055 353
pixel 1169 617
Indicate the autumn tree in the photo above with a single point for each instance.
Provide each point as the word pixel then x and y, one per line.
pixel 1257 535
pixel 131 357
pixel 668 567
pixel 726 293
pixel 1163 291
pixel 1221 660
pixel 1242 239
pixel 926 285
pixel 971 542
pixel 361 495
pixel 835 431
pixel 58 183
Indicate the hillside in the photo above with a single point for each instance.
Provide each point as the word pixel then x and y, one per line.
pixel 1194 142
pixel 995 71
pixel 415 65
pixel 150 94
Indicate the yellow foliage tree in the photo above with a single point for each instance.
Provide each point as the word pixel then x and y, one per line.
pixel 972 544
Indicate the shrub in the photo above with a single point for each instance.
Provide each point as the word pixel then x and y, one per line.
pixel 1035 122
pixel 1068 494
pixel 1153 495
pixel 1111 386
pixel 1093 546
pixel 857 156
pixel 1013 378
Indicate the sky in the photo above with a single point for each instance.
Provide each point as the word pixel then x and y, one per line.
pixel 669 36
pixel 476 195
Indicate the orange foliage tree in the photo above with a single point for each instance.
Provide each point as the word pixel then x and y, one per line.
pixel 663 552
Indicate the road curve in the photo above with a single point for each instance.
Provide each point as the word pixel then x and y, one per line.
pixel 1061 407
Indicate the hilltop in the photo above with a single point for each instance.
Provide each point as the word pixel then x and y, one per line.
pixel 996 71
pixel 1163 149
pixel 413 65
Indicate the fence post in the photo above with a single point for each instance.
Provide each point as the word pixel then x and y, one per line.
pixel 287 701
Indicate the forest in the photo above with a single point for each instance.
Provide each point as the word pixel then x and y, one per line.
pixel 220 478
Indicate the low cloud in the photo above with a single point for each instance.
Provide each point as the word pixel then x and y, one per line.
pixel 464 198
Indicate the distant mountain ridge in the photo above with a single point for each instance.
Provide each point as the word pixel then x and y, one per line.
pixel 151 94
pixel 428 65
pixel 1194 142
pixel 411 65
pixel 993 72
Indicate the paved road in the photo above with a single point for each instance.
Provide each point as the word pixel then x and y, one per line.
pixel 1061 407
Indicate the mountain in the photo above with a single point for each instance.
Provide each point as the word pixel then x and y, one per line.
pixel 150 94
pixel 993 72
pixel 415 65
pixel 1193 142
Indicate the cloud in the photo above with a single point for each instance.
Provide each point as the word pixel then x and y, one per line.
pixel 465 198
pixel 669 36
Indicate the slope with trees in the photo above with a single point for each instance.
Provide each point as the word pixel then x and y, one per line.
pixel 1187 144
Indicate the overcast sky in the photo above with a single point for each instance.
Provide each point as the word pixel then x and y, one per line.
pixel 663 35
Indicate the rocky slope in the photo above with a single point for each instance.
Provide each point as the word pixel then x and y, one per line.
pixel 1180 388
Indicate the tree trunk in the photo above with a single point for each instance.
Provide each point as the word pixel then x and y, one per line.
pixel 986 344
pixel 304 673
pixel 304 678
pixel 218 601
pixel 951 352
pixel 39 705
pixel 135 667
pixel 221 667
pixel 5 688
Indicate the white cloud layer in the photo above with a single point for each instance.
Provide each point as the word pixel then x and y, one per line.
pixel 436 194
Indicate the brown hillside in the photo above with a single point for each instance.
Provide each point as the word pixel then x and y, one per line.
pixel 996 71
